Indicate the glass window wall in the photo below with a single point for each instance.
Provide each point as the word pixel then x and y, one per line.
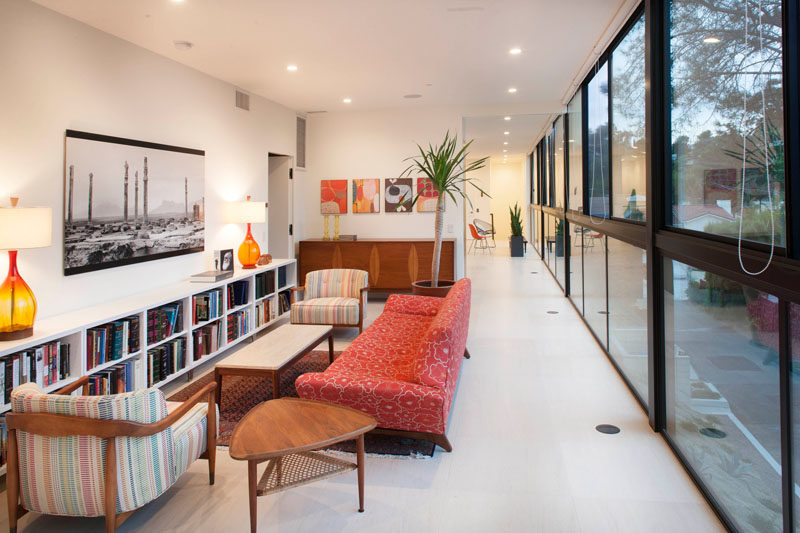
pixel 627 121
pixel 558 162
pixel 576 266
pixel 723 391
pixel 598 169
pixel 727 118
pixel 575 151
pixel 627 312
pixel 594 284
pixel 558 254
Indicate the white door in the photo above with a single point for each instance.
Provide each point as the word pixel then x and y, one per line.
pixel 280 216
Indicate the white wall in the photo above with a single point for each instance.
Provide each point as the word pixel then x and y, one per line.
pixel 508 187
pixel 373 144
pixel 57 74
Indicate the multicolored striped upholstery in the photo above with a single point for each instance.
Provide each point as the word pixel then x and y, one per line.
pixel 331 296
pixel 326 311
pixel 64 475
pixel 333 282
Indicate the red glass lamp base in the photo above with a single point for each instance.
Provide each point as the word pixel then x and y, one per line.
pixel 249 252
pixel 17 304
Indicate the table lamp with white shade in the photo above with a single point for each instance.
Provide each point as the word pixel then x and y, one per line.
pixel 20 227
pixel 246 212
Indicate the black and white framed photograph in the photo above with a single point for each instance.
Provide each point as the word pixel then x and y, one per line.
pixel 128 201
pixel 225 258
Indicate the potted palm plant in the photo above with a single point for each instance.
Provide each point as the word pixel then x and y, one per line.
pixel 516 240
pixel 445 166
pixel 559 238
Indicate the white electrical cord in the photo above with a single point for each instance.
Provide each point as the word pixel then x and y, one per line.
pixel 766 146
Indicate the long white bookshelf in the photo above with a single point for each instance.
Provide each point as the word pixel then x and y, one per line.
pixel 73 327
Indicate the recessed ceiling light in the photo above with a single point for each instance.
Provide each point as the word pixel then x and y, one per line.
pixel 506 118
pixel 711 40
pixel 504 151
pixel 505 142
pixel 291 68
pixel 177 1
pixel 346 100
pixel 183 45
pixel 512 90
pixel 506 133
pixel 515 51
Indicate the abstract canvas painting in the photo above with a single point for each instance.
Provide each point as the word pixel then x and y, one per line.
pixel 398 195
pixel 333 197
pixel 366 196
pixel 428 196
pixel 128 201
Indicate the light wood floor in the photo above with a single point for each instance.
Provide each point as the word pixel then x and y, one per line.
pixel 526 456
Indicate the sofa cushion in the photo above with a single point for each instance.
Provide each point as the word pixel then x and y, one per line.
pixel 387 349
pixel 326 311
pixel 439 357
pixel 335 282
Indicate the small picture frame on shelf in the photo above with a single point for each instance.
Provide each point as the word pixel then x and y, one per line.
pixel 225 259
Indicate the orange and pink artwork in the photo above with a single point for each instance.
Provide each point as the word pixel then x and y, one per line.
pixel 366 196
pixel 428 196
pixel 333 197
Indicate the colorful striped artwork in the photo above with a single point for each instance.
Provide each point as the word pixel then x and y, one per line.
pixel 366 196
pixel 333 197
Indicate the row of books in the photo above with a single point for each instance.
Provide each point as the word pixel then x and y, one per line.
pixel 265 310
pixel 237 293
pixel 207 306
pixel 111 341
pixel 43 365
pixel 165 360
pixel 238 324
pixel 284 302
pixel 282 276
pixel 114 380
pixel 207 339
pixel 265 283
pixel 164 321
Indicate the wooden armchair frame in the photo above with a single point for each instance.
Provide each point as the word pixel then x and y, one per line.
pixel 51 425
pixel 362 303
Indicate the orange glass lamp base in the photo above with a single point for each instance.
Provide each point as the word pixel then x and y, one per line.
pixel 17 304
pixel 249 252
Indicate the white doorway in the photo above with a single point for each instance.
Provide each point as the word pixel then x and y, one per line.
pixel 280 216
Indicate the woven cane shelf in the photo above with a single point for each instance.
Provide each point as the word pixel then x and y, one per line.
pixel 297 469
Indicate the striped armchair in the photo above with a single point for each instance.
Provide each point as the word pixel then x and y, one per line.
pixel 336 296
pixel 102 455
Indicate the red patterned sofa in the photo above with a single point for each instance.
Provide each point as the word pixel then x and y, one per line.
pixel 403 369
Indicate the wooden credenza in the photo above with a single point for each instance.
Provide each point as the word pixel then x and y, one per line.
pixel 393 264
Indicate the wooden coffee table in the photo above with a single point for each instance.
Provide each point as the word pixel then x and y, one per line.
pixel 273 353
pixel 284 432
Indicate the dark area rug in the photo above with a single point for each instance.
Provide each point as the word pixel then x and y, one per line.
pixel 242 393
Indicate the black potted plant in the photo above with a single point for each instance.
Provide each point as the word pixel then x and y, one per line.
pixel 559 238
pixel 516 241
pixel 445 165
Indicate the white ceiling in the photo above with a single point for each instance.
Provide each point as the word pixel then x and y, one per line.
pixel 452 52
pixel 488 134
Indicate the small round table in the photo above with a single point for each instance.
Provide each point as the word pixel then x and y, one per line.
pixel 284 432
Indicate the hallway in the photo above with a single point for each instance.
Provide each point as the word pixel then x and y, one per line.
pixel 526 455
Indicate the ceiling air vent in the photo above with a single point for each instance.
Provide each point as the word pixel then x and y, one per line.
pixel 242 100
pixel 301 143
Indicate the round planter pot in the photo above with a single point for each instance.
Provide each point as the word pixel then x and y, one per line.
pixel 423 288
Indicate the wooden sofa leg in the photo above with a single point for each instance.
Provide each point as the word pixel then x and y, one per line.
pixel 442 441
pixel 466 354
pixel 211 436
